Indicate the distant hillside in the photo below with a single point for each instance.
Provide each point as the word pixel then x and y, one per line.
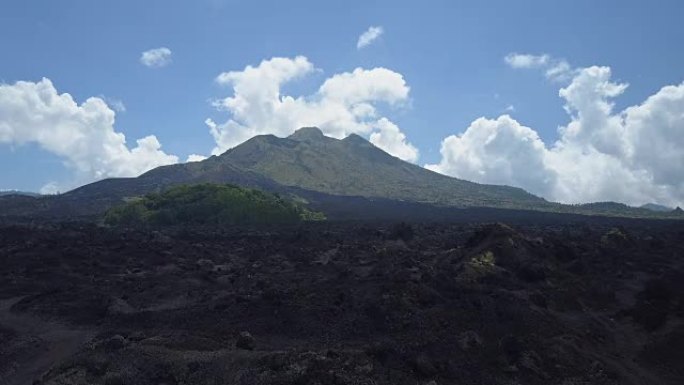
pixel 19 193
pixel 208 204
pixel 656 207
pixel 614 209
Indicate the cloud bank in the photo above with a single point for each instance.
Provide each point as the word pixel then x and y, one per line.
pixel 345 103
pixel 369 36
pixel 633 156
pixel 82 135
pixel 156 58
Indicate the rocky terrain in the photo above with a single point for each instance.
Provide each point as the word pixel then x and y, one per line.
pixel 343 303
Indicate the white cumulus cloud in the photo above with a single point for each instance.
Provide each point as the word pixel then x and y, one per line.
pixel 345 103
pixel 114 103
pixel 51 188
pixel 369 36
pixel 555 69
pixel 517 60
pixel 499 151
pixel 632 156
pixel 156 58
pixel 83 135
pixel 195 158
pixel 390 139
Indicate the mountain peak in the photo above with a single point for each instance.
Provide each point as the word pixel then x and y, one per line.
pixel 307 133
pixel 355 138
pixel 656 207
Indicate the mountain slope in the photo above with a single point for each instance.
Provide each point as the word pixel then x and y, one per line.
pixel 353 166
pixel 307 163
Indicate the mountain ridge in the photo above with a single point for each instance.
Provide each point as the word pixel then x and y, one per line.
pixel 353 166
pixel 349 176
pixel 656 207
pixel 4 193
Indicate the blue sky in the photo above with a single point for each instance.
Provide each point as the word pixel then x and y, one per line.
pixel 450 53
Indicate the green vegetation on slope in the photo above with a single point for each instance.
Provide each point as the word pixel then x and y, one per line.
pixel 209 204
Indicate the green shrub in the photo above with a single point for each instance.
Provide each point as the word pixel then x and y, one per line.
pixel 209 204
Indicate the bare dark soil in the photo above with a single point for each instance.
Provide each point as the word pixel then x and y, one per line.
pixel 343 304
